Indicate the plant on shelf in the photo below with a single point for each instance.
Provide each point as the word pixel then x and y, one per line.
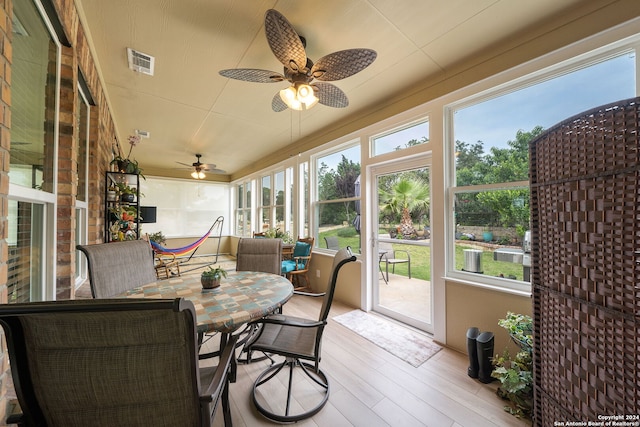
pixel 126 165
pixel 515 373
pixel 125 192
pixel 123 223
pixel 210 278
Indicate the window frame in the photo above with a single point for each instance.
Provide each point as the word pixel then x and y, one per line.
pixel 554 70
pixel 43 275
pixel 82 206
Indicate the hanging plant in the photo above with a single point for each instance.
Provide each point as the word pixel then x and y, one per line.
pixel 126 165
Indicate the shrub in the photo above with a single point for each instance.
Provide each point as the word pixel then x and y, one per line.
pixel 347 232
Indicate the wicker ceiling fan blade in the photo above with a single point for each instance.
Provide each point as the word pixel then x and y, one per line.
pixel 215 170
pixel 342 64
pixel 189 165
pixel 284 41
pixel 331 95
pixel 277 104
pixel 252 75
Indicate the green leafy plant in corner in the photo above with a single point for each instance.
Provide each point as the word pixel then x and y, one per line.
pixel 515 373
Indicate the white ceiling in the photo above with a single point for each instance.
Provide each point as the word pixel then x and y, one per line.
pixel 189 108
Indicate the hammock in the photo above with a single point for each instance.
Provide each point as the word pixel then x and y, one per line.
pixel 192 247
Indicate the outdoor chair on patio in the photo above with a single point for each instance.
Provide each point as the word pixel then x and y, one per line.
pixel 389 256
pixel 332 243
pixel 298 340
pixel 112 362
pixel 118 266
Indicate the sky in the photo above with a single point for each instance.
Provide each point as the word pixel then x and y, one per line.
pixel 496 121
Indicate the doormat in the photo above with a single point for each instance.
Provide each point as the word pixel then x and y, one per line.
pixel 412 347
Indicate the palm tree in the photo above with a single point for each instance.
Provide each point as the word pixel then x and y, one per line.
pixel 404 196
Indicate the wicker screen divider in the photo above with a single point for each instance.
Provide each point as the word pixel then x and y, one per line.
pixel 585 213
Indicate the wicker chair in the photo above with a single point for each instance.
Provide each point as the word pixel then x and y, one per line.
pixel 112 362
pixel 297 268
pixel 118 266
pixel 298 340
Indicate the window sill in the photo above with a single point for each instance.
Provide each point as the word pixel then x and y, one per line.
pixel 491 287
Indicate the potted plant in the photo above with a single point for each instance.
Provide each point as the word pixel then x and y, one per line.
pixel 158 238
pixel 127 194
pixel 112 193
pixel 126 165
pixel 487 234
pixel 210 279
pixel 516 373
pixel 276 233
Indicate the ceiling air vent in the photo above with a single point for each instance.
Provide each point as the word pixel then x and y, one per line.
pixel 140 62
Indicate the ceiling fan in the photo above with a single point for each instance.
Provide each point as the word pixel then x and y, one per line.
pixel 300 71
pixel 200 168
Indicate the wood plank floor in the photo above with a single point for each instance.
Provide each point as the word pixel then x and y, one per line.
pixel 371 387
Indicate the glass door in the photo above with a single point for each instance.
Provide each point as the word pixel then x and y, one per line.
pixel 402 237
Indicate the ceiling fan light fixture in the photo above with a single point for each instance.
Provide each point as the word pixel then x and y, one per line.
pixel 198 174
pixel 299 97
pixel 307 96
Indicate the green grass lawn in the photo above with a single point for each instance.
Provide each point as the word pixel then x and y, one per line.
pixel 421 256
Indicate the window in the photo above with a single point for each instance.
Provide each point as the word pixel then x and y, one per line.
pixel 279 200
pixel 83 112
pixel 276 205
pixel 264 213
pixel 303 195
pixel 243 209
pixel 34 96
pixel 33 93
pixel 490 198
pixel 336 206
pixel 402 138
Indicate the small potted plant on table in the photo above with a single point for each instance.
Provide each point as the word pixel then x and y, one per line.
pixel 210 279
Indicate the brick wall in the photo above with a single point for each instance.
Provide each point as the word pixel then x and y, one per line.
pixel 67 176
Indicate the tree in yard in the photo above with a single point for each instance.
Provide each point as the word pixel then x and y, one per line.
pixel 507 208
pixel 337 184
pixel 345 178
pixel 405 195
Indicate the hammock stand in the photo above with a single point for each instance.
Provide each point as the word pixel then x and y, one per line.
pixel 192 247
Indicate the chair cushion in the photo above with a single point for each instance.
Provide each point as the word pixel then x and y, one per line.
pixel 288 266
pixel 301 249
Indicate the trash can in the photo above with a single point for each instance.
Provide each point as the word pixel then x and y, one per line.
pixel 472 260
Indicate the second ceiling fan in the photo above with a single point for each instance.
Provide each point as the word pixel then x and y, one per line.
pixel 200 168
pixel 300 71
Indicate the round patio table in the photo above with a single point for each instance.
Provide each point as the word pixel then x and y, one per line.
pixel 242 297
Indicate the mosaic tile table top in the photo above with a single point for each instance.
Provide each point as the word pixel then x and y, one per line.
pixel 243 296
